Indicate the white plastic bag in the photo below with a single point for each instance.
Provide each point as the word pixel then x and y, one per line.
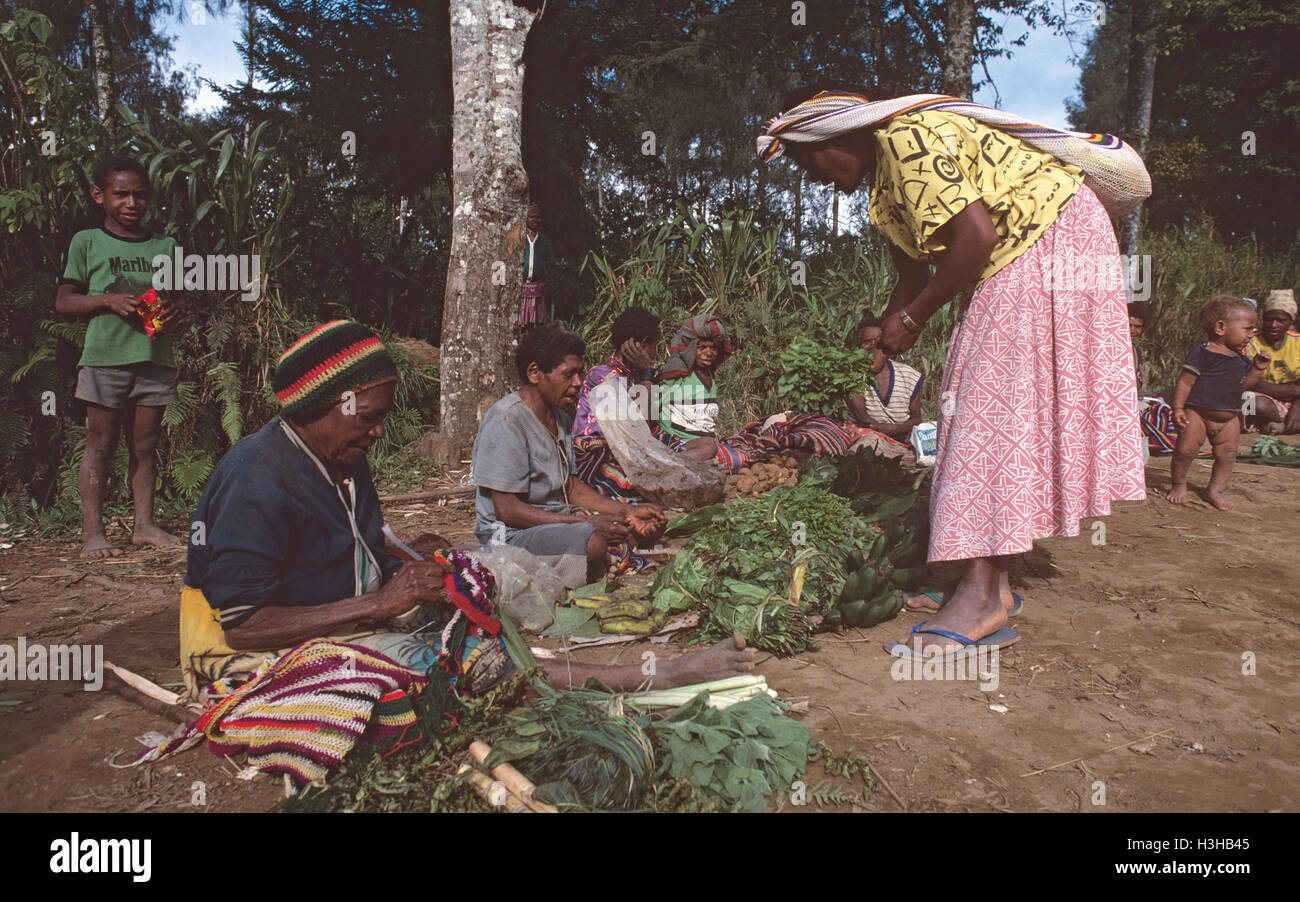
pixel 661 475
pixel 528 586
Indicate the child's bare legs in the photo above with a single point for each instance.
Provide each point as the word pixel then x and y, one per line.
pixel 102 426
pixel 1223 442
pixel 1189 443
pixel 145 426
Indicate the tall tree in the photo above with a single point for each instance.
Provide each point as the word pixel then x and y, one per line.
pixel 489 194
pixel 1225 108
pixel 105 92
pixel 1137 99
pixel 959 47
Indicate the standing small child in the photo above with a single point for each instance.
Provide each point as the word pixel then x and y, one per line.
pixel 1207 398
pixel 125 376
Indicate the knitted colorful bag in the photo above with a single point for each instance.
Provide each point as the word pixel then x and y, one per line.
pixel 303 712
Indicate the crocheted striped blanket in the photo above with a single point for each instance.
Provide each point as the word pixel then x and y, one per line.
pixel 302 713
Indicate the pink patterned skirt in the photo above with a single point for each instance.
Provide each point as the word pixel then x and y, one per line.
pixel 532 303
pixel 1038 406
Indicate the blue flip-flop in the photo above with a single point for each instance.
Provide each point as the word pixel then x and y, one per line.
pixel 1017 603
pixel 998 639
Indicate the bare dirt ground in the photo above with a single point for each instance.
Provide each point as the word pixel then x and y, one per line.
pixel 1128 686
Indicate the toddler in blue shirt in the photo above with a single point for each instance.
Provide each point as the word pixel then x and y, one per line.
pixel 1207 398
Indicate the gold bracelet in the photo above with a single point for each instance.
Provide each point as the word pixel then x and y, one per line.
pixel 907 321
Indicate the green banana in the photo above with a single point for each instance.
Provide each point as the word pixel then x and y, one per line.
pixel 616 610
pixel 591 602
pixel 867 583
pixel 628 626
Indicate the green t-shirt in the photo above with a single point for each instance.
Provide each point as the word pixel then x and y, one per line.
pixel 688 409
pixel 102 263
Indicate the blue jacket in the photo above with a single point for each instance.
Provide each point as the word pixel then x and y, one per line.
pixel 271 530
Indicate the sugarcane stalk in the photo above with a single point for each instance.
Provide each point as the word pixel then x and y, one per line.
pixel 513 780
pixel 494 792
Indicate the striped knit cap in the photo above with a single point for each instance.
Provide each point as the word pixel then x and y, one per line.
pixel 333 358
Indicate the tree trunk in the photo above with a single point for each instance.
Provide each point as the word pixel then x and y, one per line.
pixel 105 96
pixel 1137 101
pixel 489 194
pixel 248 86
pixel 958 47
pixel 798 217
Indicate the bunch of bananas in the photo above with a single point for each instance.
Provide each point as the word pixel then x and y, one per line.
pixel 623 617
pixel 873 588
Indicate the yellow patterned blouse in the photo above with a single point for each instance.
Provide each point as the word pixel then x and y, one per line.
pixel 931 165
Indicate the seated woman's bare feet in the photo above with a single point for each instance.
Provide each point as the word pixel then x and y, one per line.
pixel 98 546
pixel 722 659
pixel 151 534
pixel 1219 500
pixel 1177 495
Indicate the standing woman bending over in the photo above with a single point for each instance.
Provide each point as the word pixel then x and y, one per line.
pixel 1037 408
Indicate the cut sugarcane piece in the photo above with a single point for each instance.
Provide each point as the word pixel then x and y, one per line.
pixel 513 780
pixel 494 792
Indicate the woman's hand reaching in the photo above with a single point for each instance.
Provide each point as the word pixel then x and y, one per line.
pixel 895 338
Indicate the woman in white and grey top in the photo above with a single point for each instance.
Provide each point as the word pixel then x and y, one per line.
pixel 893 405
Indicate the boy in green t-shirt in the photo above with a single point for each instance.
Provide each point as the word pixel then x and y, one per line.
pixel 124 376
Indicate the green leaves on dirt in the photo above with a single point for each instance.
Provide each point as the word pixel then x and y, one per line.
pixel 738 756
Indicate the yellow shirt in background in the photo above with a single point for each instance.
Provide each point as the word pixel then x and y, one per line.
pixel 1285 366
pixel 931 165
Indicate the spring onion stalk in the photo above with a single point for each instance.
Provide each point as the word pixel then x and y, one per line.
pixel 736 682
pixel 721 698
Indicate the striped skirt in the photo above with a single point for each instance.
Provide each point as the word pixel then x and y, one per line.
pixel 1038 406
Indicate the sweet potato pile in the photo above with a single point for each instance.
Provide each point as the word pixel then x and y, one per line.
pixel 758 478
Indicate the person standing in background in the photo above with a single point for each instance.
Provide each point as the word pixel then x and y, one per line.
pixel 538 259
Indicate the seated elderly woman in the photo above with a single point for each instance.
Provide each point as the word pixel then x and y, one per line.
pixel 287 544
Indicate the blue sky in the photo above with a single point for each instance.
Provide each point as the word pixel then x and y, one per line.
pixel 1034 82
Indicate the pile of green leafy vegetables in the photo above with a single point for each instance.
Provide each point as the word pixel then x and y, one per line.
pixel 819 378
pixel 737 757
pixel 760 566
pixel 842 544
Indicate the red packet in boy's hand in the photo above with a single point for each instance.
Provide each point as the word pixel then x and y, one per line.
pixel 150 311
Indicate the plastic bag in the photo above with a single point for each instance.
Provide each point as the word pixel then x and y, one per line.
pixel 661 475
pixel 528 586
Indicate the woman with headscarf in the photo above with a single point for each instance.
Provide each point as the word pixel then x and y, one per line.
pixel 1037 404
pixel 688 395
